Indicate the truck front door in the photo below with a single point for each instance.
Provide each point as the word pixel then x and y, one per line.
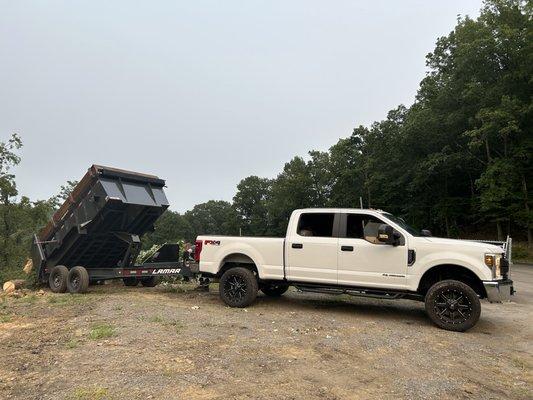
pixel 311 248
pixel 365 261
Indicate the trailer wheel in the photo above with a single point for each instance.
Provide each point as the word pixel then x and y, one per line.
pixel 238 287
pixel 150 281
pixel 453 305
pixel 274 289
pixel 58 279
pixel 78 280
pixel 130 281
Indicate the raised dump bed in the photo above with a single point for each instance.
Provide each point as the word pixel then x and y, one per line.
pixel 96 232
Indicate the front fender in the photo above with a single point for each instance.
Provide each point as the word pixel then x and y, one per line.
pixel 469 262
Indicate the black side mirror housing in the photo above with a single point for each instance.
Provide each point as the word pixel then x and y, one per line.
pixel 386 234
pixel 425 232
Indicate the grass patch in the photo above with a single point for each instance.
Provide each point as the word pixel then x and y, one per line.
pixel 72 344
pixel 5 318
pixel 157 319
pixel 178 325
pixel 96 393
pixel 102 331
pixel 29 299
pixel 69 299
pixel 520 363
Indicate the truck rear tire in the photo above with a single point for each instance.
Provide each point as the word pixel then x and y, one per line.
pixel 78 280
pixel 274 289
pixel 238 287
pixel 131 281
pixel 58 279
pixel 150 281
pixel 453 305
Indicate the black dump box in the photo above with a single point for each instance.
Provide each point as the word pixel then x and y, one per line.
pixel 99 225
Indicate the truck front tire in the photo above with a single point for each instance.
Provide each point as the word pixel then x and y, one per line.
pixel 238 287
pixel 78 280
pixel 453 305
pixel 274 289
pixel 58 279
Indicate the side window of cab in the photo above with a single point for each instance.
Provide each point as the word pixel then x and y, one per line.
pixel 364 226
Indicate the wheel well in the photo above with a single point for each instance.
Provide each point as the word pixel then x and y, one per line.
pixel 237 260
pixel 451 271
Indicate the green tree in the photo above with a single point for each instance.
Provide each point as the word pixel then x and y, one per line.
pixel 213 217
pixel 250 203
pixel 171 227
pixel 8 190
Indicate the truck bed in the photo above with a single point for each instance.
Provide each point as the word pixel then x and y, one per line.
pixel 264 251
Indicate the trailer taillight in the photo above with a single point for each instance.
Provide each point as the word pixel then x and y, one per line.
pixel 197 250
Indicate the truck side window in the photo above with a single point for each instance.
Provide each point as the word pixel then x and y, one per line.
pixel 361 226
pixel 316 224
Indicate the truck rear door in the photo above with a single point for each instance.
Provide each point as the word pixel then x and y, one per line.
pixel 311 248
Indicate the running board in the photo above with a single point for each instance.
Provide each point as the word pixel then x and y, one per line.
pixel 376 294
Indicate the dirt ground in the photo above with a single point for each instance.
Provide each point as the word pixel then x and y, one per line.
pixel 172 342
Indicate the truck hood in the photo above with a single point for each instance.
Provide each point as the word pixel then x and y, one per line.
pixel 485 247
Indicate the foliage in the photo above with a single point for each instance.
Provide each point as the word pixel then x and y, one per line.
pixel 19 218
pixel 458 161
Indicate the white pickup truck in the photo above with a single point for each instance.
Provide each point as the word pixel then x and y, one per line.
pixel 363 253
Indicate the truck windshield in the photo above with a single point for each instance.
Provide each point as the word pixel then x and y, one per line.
pixel 399 221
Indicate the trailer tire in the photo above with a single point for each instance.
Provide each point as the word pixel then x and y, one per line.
pixel 78 280
pixel 274 289
pixel 130 281
pixel 58 279
pixel 238 287
pixel 150 281
pixel 453 305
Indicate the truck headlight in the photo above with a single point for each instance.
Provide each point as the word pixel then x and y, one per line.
pixel 493 261
pixel 490 260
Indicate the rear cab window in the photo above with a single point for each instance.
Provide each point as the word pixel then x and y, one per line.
pixel 316 224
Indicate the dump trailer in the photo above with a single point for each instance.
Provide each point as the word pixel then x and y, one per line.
pixel 95 234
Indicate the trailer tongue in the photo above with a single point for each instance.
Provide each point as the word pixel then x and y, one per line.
pixel 95 234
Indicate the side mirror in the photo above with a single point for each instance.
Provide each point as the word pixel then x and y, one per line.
pixel 425 232
pixel 387 235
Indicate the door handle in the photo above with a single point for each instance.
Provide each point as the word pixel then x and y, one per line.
pixel 347 248
pixel 297 246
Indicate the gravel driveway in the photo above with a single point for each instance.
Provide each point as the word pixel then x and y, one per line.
pixel 175 342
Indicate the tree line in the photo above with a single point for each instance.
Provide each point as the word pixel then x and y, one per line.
pixel 458 161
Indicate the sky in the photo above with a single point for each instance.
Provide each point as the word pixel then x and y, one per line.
pixel 203 93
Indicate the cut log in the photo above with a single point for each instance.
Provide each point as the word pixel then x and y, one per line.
pixel 28 266
pixel 11 286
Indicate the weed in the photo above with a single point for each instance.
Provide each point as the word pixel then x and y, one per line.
pixel 158 318
pixel 178 326
pixel 96 393
pixel 5 318
pixel 29 299
pixel 102 331
pixel 69 299
pixel 72 344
